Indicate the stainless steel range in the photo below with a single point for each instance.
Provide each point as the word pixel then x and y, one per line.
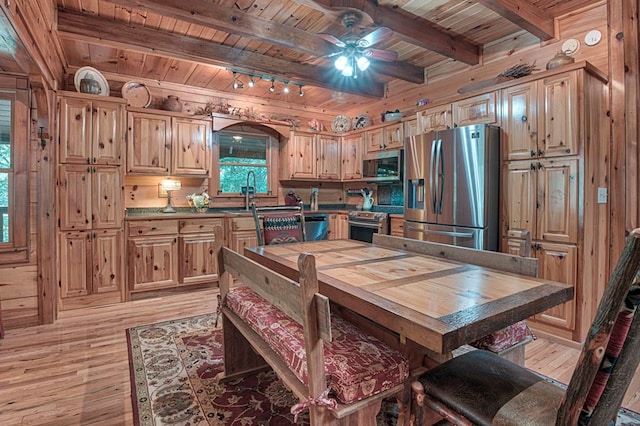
pixel 363 224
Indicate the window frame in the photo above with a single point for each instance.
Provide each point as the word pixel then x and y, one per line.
pixel 17 249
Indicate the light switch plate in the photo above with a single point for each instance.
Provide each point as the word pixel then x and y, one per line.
pixel 602 195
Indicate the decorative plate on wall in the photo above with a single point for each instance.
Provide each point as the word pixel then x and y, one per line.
pixel 341 124
pixel 361 121
pixel 91 73
pixel 136 94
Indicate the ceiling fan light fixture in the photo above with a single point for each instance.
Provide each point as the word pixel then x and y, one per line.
pixel 363 63
pixel 341 62
pixel 347 71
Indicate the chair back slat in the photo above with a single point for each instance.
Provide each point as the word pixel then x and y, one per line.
pixel 598 336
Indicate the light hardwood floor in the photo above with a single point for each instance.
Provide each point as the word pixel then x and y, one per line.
pixel 76 371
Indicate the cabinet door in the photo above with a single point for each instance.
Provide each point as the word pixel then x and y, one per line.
pixel 352 157
pixel 558 200
pixel 190 147
pixel 393 136
pixel 74 190
pixel 338 226
pixel 476 110
pixel 107 262
pixel 519 121
pixel 374 140
pixel 396 227
pixel 519 197
pixel 152 262
pixel 328 157
pixel 410 128
pixel 558 262
pixel 75 264
pixel 436 118
pixel 241 239
pixel 197 258
pixel 107 135
pixel 75 130
pixel 302 156
pixel 107 197
pixel 558 125
pixel 148 144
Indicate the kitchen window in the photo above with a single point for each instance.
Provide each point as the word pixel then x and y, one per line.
pixel 14 190
pixel 239 152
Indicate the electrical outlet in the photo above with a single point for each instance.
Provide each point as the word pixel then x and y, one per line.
pixel 602 195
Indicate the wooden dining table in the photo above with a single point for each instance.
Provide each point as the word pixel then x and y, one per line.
pixel 415 301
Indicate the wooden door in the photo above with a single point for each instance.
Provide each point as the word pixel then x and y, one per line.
pixel 328 157
pixel 196 253
pixel 338 226
pixel 374 140
pixel 393 136
pixel 436 118
pixel 74 192
pixel 152 262
pixel 475 110
pixel 107 261
pixel 148 143
pixel 75 264
pixel 558 262
pixel 558 201
pixel 519 197
pixel 107 197
pixel 351 155
pixel 519 122
pixel 75 130
pixel 303 158
pixel 107 135
pixel 190 147
pixel 559 115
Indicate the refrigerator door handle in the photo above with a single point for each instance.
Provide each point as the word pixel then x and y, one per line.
pixel 432 174
pixel 445 233
pixel 440 178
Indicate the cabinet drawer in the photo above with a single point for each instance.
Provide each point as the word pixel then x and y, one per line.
pixel 243 224
pixel 152 227
pixel 198 226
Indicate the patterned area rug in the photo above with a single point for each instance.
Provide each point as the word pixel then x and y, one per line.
pixel 173 367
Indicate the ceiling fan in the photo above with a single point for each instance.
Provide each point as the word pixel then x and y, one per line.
pixel 356 50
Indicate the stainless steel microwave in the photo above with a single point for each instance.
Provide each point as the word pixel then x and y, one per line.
pixel 385 166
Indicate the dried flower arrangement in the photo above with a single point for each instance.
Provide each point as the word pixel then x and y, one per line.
pixel 516 71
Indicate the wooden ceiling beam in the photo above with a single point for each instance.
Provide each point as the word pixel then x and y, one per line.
pixel 525 15
pixel 413 29
pixel 233 21
pixel 157 42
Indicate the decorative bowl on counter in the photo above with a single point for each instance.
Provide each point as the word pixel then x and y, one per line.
pixel 199 201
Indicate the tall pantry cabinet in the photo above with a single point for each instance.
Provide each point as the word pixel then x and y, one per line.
pixel 555 146
pixel 91 200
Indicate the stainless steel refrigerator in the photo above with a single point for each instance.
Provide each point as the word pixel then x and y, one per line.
pixel 452 186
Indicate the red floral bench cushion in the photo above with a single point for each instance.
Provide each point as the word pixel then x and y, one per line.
pixel 504 338
pixel 357 365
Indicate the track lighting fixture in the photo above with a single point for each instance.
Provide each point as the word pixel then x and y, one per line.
pixel 253 78
pixel 300 92
pixel 273 87
pixel 251 82
pixel 237 84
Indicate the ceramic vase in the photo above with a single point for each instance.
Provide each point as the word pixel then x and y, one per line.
pixel 559 60
pixel 172 104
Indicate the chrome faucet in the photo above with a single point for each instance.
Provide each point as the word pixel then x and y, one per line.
pixel 247 195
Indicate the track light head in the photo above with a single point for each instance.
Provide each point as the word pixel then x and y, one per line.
pixel 273 87
pixel 285 89
pixel 251 82
pixel 300 92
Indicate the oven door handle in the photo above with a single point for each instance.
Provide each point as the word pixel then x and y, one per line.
pixel 446 233
pixel 364 224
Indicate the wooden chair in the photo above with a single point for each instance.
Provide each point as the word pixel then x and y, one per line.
pixel 278 225
pixel 482 388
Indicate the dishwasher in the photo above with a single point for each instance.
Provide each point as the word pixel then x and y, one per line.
pixel 316 226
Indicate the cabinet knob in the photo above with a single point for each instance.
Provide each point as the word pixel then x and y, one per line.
pixel 533 153
pixel 524 118
pixel 540 152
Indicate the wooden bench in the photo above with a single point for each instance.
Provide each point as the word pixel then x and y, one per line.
pixel 509 342
pixel 337 371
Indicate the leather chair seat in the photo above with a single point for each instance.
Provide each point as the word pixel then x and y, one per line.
pixel 493 396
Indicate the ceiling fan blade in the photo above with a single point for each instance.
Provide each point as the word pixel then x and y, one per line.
pixel 376 36
pixel 381 55
pixel 332 39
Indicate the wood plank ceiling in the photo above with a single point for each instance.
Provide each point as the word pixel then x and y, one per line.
pixel 197 42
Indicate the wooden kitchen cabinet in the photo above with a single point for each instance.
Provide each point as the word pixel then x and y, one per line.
pixel 329 155
pixel 91 197
pixel 91 130
pixel 475 110
pixel 241 233
pixel 351 156
pixel 91 267
pixel 389 137
pixel 396 225
pixel 152 254
pixel 299 159
pixel 161 144
pixel 338 226
pixel 541 197
pixel 435 118
pixel 196 250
